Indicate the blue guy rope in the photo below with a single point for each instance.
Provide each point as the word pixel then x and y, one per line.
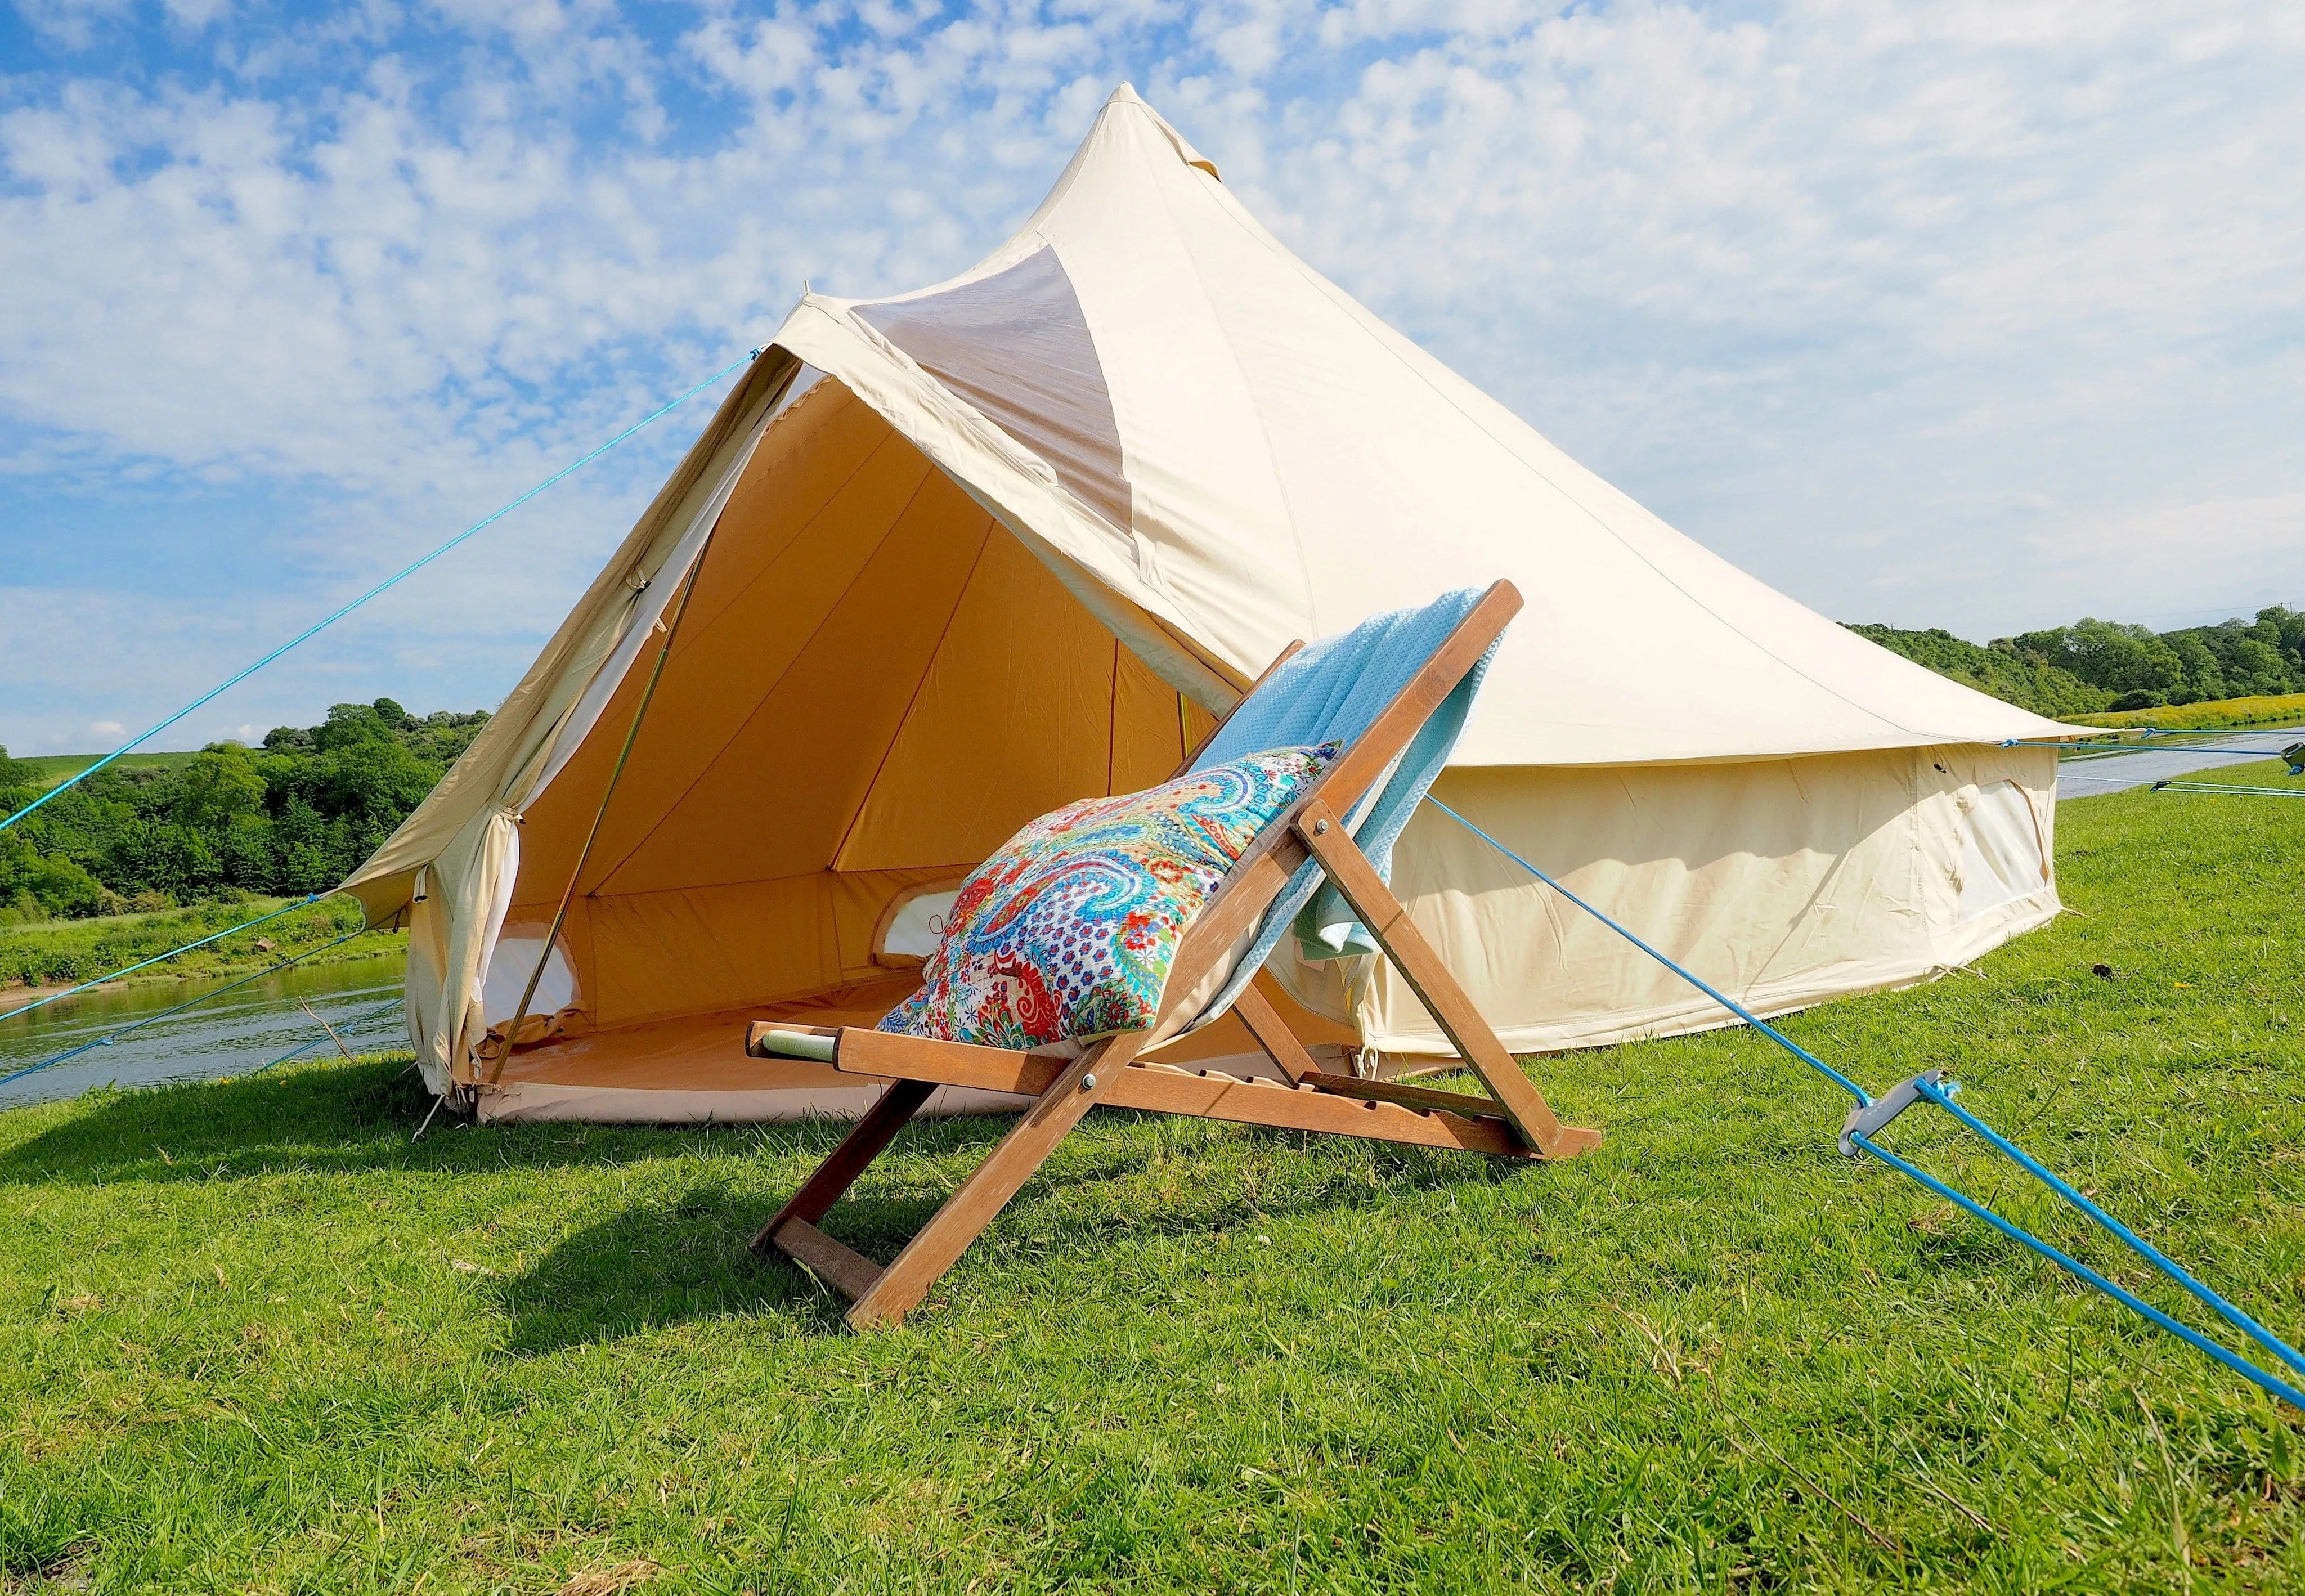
pixel 2144 1248
pixel 1925 1086
pixel 292 1053
pixel 374 1013
pixel 109 1037
pixel 2184 1332
pixel 2114 750
pixel 1691 977
pixel 405 572
pixel 2150 731
pixel 158 957
pixel 2212 786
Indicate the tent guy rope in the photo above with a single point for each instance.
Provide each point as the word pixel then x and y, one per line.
pixel 1871 1116
pixel 354 1023
pixel 2212 786
pixel 405 572
pixel 109 1037
pixel 158 957
pixel 2147 733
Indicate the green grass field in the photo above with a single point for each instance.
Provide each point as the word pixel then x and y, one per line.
pixel 253 1339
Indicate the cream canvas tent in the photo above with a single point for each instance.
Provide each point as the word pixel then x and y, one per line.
pixel 971 553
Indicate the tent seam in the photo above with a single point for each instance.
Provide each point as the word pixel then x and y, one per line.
pixel 1112 719
pixel 1263 428
pixel 926 871
pixel 708 621
pixel 1329 292
pixel 912 702
pixel 766 426
pixel 776 411
pixel 642 841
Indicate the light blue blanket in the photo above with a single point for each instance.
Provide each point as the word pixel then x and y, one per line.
pixel 1332 690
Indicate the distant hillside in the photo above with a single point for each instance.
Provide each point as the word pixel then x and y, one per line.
pixel 1996 668
pixel 49 769
pixel 151 832
pixel 2093 666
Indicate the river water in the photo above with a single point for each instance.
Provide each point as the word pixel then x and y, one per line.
pixel 236 1034
pixel 2085 775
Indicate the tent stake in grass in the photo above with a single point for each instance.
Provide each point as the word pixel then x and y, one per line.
pixel 1872 1116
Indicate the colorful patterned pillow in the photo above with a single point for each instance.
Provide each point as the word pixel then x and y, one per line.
pixel 1068 932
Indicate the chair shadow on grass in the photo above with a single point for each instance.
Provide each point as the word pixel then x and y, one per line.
pixel 659 1262
pixel 653 1265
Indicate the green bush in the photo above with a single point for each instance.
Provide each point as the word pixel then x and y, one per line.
pixel 60 952
pixel 2093 666
pixel 297 815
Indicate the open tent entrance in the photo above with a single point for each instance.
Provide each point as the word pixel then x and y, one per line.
pixel 874 686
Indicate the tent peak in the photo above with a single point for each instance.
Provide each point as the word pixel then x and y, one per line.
pixel 1127 97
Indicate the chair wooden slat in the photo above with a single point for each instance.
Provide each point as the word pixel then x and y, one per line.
pixel 1273 1034
pixel 839 1265
pixel 1388 921
pixel 1405 1094
pixel 1206 1094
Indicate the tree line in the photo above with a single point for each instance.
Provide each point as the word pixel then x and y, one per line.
pixel 296 815
pixel 2092 666
pixel 300 812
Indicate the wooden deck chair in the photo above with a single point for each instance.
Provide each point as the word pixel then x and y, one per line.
pixel 1512 1121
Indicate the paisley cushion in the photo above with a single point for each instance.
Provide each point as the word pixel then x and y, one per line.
pixel 1068 932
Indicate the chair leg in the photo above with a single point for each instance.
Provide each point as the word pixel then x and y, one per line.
pixel 1273 1034
pixel 906 1280
pixel 1388 921
pixel 839 1172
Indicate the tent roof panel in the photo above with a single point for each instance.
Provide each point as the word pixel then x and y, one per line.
pixel 1294 464
pixel 1016 345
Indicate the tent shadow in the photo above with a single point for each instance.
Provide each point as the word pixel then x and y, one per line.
pixel 349 1118
pixel 339 1116
pixel 657 1263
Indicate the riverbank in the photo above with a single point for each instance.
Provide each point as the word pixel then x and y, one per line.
pixel 2210 715
pixel 49 957
pixel 383 944
pixel 168 1031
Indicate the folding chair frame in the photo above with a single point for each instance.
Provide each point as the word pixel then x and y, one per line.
pixel 1513 1121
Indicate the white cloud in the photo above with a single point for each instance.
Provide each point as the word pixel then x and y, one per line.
pixel 1924 314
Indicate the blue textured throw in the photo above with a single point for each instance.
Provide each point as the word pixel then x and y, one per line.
pixel 1334 689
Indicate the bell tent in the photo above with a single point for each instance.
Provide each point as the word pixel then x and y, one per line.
pixel 946 561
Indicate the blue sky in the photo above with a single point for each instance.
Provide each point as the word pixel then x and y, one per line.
pixel 1978 315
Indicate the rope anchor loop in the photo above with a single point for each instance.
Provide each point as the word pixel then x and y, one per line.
pixel 1868 1119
